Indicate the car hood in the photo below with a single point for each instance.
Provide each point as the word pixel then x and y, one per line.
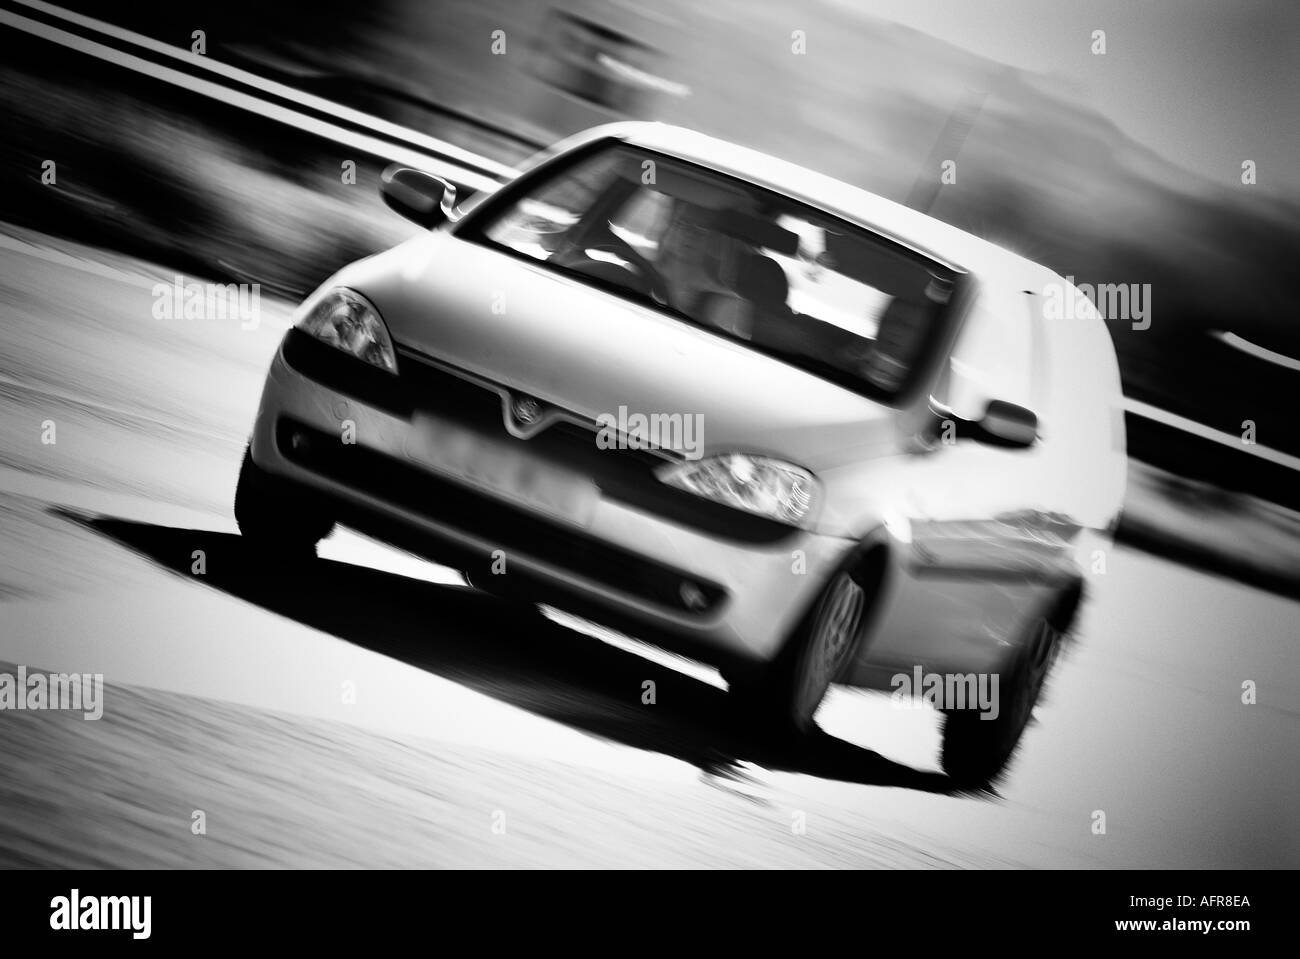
pixel 593 353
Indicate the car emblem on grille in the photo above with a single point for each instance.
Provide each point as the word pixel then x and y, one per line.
pixel 525 410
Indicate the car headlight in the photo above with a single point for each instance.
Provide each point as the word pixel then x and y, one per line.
pixel 755 484
pixel 346 320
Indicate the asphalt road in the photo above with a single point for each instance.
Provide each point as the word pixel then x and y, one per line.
pixel 369 709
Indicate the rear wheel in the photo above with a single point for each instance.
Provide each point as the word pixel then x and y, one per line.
pixel 272 518
pixel 785 694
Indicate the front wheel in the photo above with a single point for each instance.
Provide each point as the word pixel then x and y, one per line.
pixel 786 693
pixel 272 519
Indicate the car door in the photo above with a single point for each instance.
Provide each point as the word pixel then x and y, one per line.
pixel 986 535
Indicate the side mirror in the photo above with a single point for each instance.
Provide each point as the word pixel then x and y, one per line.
pixel 420 197
pixel 1003 424
pixel 1006 424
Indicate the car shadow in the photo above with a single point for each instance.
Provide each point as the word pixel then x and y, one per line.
pixel 518 657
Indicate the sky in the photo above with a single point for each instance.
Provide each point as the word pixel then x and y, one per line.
pixel 1204 83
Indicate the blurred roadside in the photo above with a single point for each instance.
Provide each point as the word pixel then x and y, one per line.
pixel 163 175
pixel 139 170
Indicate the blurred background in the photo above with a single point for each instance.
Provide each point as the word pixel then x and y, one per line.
pixel 1123 166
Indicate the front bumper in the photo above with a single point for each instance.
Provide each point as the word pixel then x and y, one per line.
pixel 660 567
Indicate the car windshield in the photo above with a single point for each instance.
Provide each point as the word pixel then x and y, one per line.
pixel 732 257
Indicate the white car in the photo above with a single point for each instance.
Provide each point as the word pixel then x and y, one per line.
pixel 723 403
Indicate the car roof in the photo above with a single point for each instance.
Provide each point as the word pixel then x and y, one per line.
pixel 919 231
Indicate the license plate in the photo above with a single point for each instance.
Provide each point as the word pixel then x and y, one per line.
pixel 495 468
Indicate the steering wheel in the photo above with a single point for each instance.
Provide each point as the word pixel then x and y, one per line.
pixel 647 278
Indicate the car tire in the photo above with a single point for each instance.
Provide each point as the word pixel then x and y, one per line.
pixel 782 697
pixel 274 520
pixel 976 751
